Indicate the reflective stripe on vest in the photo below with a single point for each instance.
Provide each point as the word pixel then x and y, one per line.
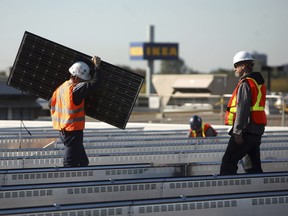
pixel 65 114
pixel 66 111
pixel 68 121
pixel 258 114
pixel 257 106
pixel 230 115
pixel 194 133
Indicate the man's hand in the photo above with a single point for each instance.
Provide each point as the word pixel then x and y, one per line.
pixel 238 139
pixel 96 60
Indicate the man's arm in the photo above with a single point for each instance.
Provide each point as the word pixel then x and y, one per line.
pixel 243 111
pixel 243 108
pixel 85 89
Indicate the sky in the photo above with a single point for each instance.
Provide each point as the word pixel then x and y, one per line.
pixel 208 32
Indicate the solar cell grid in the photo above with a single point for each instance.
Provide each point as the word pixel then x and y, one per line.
pixel 42 65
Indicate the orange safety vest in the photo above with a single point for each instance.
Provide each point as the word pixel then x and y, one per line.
pixel 204 128
pixel 65 114
pixel 258 94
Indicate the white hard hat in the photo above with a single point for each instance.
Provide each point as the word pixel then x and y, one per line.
pixel 81 70
pixel 242 56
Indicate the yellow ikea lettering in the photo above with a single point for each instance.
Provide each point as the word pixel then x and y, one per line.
pixel 156 51
pixel 173 51
pixel 165 51
pixel 161 51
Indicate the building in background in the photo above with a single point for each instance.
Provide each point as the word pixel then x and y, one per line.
pixel 17 105
pixel 193 91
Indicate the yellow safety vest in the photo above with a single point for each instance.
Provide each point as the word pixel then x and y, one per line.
pixel 258 94
pixel 204 128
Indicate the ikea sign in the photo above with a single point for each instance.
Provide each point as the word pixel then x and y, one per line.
pixel 153 51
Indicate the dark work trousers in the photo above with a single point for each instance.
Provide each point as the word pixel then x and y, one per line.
pixel 75 154
pixel 235 152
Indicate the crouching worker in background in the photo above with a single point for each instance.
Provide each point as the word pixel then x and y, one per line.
pixel 67 109
pixel 199 129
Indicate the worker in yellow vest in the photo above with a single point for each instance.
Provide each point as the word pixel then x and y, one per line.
pixel 67 109
pixel 246 113
pixel 200 129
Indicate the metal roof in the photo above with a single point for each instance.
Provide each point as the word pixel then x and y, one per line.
pixel 193 82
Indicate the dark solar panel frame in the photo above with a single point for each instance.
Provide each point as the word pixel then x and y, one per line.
pixel 42 65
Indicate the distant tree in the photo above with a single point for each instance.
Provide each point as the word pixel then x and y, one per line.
pixel 175 67
pixel 172 66
pixel 2 73
pixel 137 71
pixel 222 71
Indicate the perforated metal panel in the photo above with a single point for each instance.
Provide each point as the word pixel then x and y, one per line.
pixel 16 196
pixel 42 65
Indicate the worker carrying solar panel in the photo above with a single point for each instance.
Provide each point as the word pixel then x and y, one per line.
pixel 200 129
pixel 67 108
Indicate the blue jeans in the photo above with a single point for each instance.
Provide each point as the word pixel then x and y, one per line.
pixel 75 154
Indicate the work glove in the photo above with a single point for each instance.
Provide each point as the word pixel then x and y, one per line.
pixel 96 61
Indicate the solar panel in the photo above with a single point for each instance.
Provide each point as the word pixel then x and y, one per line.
pixel 42 65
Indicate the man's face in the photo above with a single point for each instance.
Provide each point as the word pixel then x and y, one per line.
pixel 196 128
pixel 239 69
pixel 78 80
